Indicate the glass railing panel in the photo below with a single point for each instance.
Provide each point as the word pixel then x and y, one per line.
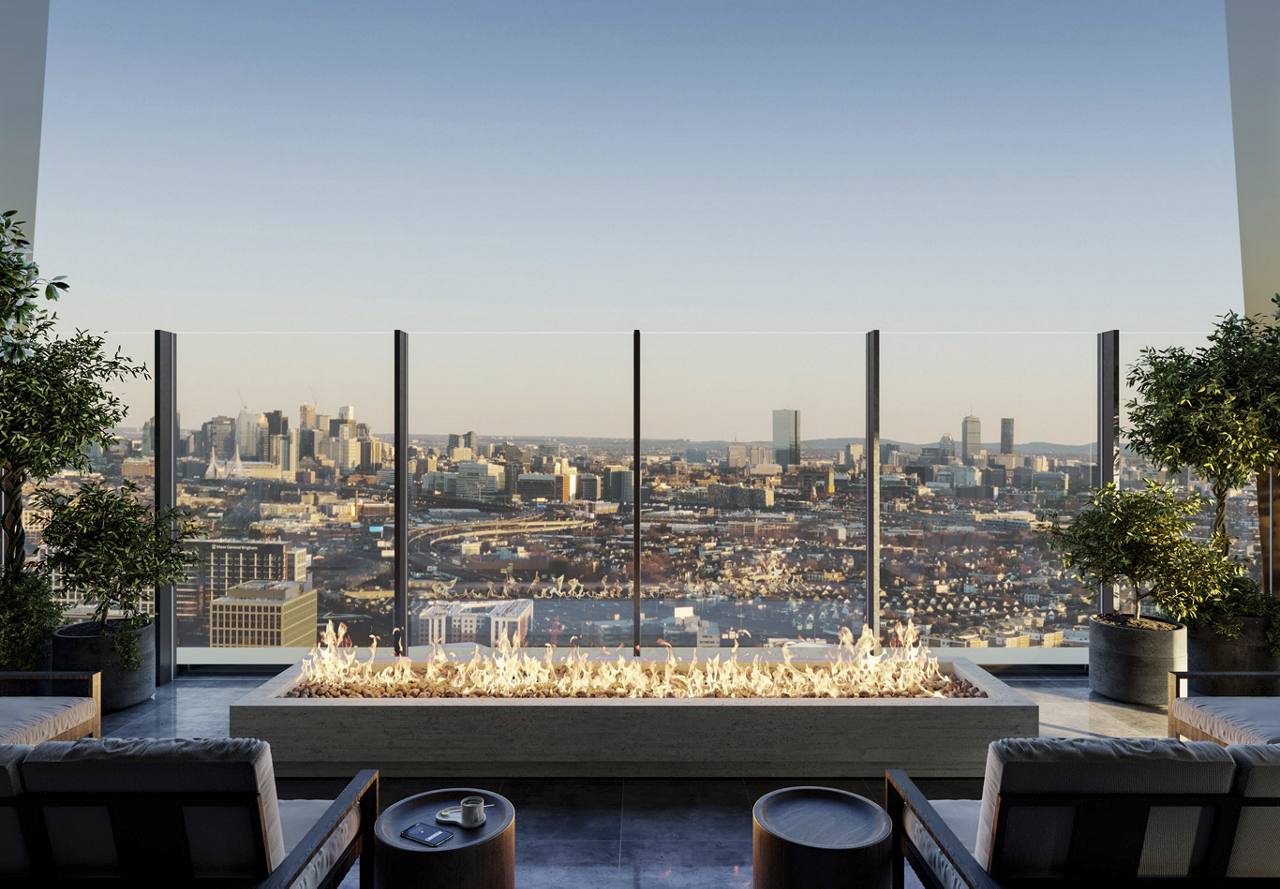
pixel 520 518
pixel 985 439
pixel 285 457
pixel 754 514
pixel 128 458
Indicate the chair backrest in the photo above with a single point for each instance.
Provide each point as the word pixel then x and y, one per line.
pixel 129 810
pixel 1255 848
pixel 1072 809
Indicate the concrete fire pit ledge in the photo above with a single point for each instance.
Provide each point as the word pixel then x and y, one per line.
pixel 646 737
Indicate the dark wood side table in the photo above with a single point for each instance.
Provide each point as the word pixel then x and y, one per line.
pixel 483 857
pixel 819 838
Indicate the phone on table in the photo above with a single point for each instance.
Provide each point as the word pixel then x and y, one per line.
pixel 427 834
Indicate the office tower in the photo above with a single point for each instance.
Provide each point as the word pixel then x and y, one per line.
pixel 249 428
pixel 946 446
pixel 218 435
pixel 469 441
pixel 322 423
pixel 307 416
pixel 1006 435
pixel 620 485
pixel 347 413
pixel 277 423
pixel 589 486
pixel 970 438
pixel 786 437
pixel 223 563
pixel 264 614
pixel 737 457
pixel 853 454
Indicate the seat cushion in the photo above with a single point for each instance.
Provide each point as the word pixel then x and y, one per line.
pixel 34 720
pixel 1255 853
pixel 961 815
pixel 297 817
pixel 1233 720
pixel 13 849
pixel 224 840
pixel 1036 840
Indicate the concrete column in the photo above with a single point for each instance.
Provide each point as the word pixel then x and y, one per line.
pixel 1253 53
pixel 24 36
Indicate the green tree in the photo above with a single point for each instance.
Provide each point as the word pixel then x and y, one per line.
pixel 1140 539
pixel 56 399
pixel 111 549
pixel 1214 409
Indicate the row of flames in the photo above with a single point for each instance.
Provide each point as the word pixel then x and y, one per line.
pixel 860 669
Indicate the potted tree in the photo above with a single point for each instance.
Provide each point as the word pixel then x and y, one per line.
pixel 1139 540
pixel 55 404
pixel 111 550
pixel 1216 411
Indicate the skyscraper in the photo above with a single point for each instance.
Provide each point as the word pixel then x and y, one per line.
pixel 786 437
pixel 250 426
pixel 970 438
pixel 347 413
pixel 307 416
pixel 1006 435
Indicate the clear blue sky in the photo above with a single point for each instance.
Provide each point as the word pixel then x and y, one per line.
pixel 970 166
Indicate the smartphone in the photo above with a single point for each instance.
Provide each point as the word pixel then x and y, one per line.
pixel 427 834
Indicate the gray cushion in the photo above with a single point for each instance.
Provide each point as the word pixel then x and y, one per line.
pixel 33 720
pixel 224 840
pixel 1233 720
pixel 1255 853
pixel 13 849
pixel 1037 839
pixel 297 816
pixel 961 815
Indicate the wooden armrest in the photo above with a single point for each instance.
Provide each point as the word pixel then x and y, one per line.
pixel 362 792
pixel 901 795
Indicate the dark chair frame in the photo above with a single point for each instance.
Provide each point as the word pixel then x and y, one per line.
pixel 90 682
pixel 1178 688
pixel 151 840
pixel 1106 841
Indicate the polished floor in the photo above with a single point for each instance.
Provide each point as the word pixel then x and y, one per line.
pixel 609 834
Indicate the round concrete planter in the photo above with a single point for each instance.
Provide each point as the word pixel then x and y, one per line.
pixel 83 648
pixel 1209 652
pixel 1132 665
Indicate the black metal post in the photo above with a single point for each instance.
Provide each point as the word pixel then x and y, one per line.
pixel 873 481
pixel 635 492
pixel 1108 432
pixel 401 496
pixel 164 428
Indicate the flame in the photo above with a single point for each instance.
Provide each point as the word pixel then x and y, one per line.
pixel 859 669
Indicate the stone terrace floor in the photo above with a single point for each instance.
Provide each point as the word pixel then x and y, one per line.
pixel 634 832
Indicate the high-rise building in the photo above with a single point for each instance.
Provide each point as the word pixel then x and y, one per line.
pixel 264 614
pixel 737 457
pixel 277 423
pixel 307 416
pixel 970 438
pixel 786 437
pixel 218 435
pixel 1006 435
pixel 223 563
pixel 347 413
pixel 250 425
pixel 487 623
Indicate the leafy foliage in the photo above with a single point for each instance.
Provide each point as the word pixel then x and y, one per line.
pixel 1215 409
pixel 21 289
pixel 1139 538
pixel 28 615
pixel 112 549
pixel 56 402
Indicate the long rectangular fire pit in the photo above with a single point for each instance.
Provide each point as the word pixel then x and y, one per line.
pixel 608 737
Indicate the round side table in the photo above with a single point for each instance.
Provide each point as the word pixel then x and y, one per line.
pixel 482 857
pixel 819 838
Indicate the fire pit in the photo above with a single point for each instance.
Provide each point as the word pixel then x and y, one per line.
pixel 463 712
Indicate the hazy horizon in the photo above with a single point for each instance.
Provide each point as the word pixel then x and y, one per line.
pixel 736 171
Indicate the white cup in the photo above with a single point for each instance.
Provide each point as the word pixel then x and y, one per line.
pixel 472 811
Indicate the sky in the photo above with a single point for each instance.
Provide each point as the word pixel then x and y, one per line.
pixel 1010 176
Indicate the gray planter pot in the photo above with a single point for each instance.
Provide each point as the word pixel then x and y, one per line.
pixel 1248 652
pixel 1132 665
pixel 82 647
